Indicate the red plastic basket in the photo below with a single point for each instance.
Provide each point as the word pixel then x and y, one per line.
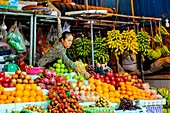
pixel 34 70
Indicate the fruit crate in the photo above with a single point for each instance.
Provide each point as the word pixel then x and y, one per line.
pixel 142 103
pixel 98 110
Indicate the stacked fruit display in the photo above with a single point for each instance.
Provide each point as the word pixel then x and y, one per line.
pixel 10 80
pixel 100 50
pixel 62 100
pixel 23 93
pixel 120 43
pixel 60 68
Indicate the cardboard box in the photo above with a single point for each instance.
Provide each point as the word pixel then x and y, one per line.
pixel 9 4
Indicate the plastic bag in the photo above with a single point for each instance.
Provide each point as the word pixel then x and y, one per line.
pixel 52 35
pixel 66 27
pixel 15 38
pixel 3 32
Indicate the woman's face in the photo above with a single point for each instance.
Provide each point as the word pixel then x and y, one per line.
pixel 68 41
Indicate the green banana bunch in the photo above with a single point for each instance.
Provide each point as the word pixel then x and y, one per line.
pixel 154 54
pixel 143 42
pixel 162 30
pixel 164 50
pixel 158 39
pixel 164 91
pixel 100 50
pixel 165 110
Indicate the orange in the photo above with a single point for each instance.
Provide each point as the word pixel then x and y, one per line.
pixel 121 96
pixel 1 88
pixel 131 98
pixel 128 83
pixel 100 95
pixel 38 98
pixel 123 92
pixel 122 88
pixel 7 93
pixel 92 87
pixel 27 87
pixel 11 98
pixel 106 94
pixel 111 88
pixel 117 100
pixel 39 92
pixel 105 89
pixel 97 82
pixel 3 97
pixel 31 99
pixel 104 85
pixel 2 102
pixel 121 83
pixel 26 93
pixel 24 99
pixel 111 99
pixel 17 100
pixel 111 94
pixel 32 93
pixel 91 80
pixel 8 101
pixel 18 93
pixel 117 94
pixel 99 91
pixel 129 93
pixel 19 87
pixel 44 97
pixel 98 88
pixel 126 96
pixel 33 86
pixel 13 93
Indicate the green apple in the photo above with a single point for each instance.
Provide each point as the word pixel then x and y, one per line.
pixel 66 70
pixel 67 77
pixel 62 70
pixel 59 61
pixel 55 64
pixel 63 66
pixel 58 65
pixel 57 70
pixel 70 70
pixel 76 77
pixel 82 78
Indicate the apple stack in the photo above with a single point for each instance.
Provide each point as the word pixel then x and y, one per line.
pixel 60 68
pixel 19 77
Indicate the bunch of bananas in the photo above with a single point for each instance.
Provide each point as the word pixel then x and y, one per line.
pixel 130 41
pixel 164 50
pixel 143 42
pixel 100 50
pixel 166 110
pixel 120 43
pixel 114 41
pixel 162 30
pixel 153 54
pixel 81 65
pixel 158 39
pixel 165 92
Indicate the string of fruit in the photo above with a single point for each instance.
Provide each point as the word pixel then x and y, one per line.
pixel 121 42
pixel 100 50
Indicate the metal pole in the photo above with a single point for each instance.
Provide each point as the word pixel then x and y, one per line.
pixel 132 9
pixel 35 38
pixel 92 45
pixel 86 4
pixel 31 41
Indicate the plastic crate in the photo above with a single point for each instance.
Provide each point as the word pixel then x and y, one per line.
pixel 98 110
pixel 142 103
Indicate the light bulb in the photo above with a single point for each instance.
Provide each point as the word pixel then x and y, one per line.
pixel 167 23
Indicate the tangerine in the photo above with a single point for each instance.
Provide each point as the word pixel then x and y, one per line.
pixel 92 87
pixel 31 99
pixel 24 99
pixel 117 94
pixel 111 88
pixel 111 94
pixel 98 88
pixel 19 87
pixel 39 92
pixel 17 100
pixel 11 98
pixel 117 100
pixel 33 86
pixel 32 93
pixel 99 91
pixel 38 98
pixel 27 87
pixel 3 97
pixel 91 80
pixel 1 88
pixel 13 93
pixel 131 98
pixel 129 93
pixel 8 101
pixel 97 82
pixel 18 93
pixel 26 93
pixel 106 94
pixel 104 85
pixel 105 89
pixel 2 102
pixel 44 97
pixel 111 99
pixel 7 93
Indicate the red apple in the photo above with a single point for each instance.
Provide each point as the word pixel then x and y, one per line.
pixel 112 78
pixel 97 76
pixel 7 80
pixel 107 81
pixel 113 83
pixel 6 85
pixel 2 74
pixel 116 75
pixel 118 79
pixel 126 78
pixel 121 80
pixel 134 77
pixel 92 76
pixel 1 80
pixel 11 85
pixel 102 76
pixel 107 78
pixel 18 72
pixel 22 76
pixel 102 79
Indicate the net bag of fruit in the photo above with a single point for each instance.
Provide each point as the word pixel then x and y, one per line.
pixel 15 38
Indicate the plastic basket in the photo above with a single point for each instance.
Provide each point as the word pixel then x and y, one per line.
pixel 34 70
pixel 98 110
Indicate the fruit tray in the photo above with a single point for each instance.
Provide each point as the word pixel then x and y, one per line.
pixel 150 102
pixel 98 110
pixel 4 108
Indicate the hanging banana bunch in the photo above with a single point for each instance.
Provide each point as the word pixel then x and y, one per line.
pixel 158 39
pixel 162 30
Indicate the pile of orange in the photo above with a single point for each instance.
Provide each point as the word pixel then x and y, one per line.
pixel 23 93
pixel 104 90
pixel 132 92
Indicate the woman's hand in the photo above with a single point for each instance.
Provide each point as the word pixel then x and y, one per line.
pixel 84 73
pixel 59 21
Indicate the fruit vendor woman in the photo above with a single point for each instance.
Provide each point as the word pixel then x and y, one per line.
pixel 58 50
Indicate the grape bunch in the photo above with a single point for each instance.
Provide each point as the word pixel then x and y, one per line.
pixel 90 69
pixel 126 104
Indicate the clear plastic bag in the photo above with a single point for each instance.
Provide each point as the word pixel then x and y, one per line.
pixel 15 38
